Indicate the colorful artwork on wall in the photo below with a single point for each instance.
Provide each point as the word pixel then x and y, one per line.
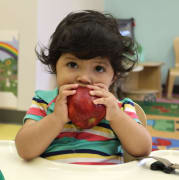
pixel 8 67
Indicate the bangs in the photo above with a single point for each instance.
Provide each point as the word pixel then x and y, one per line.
pixel 89 34
pixel 89 41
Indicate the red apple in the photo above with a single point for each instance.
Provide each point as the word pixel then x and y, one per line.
pixel 82 111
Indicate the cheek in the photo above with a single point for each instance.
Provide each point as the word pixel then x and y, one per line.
pixel 107 80
pixel 64 78
pixel 58 79
pixel 60 76
pixel 110 78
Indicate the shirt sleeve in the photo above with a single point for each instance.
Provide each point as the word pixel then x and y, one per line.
pixel 37 110
pixel 127 105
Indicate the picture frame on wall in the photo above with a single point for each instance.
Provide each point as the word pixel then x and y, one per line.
pixel 126 27
pixel 8 68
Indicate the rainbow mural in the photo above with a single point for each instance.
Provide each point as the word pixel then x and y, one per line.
pixel 9 49
pixel 8 68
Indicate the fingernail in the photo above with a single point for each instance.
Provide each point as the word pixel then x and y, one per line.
pixel 88 86
pixel 91 92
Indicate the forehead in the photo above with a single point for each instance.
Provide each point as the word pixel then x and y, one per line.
pixel 71 57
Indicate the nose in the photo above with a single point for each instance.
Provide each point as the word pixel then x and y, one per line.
pixel 84 79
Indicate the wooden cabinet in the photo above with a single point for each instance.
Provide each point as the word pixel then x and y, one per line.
pixel 145 81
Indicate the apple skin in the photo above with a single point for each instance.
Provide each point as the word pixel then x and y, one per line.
pixel 82 111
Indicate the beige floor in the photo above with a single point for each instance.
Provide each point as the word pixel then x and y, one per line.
pixel 8 131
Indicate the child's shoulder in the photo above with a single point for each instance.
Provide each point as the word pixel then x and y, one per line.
pixel 46 95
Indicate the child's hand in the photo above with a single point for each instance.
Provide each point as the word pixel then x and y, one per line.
pixel 106 98
pixel 61 109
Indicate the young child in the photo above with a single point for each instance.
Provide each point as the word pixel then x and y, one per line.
pixel 86 49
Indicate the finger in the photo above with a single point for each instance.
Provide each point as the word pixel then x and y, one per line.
pixel 102 101
pixel 99 93
pixel 63 94
pixel 101 85
pixel 68 87
pixel 69 92
pixel 98 86
pixel 92 87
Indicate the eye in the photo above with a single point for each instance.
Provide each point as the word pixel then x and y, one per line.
pixel 72 65
pixel 100 69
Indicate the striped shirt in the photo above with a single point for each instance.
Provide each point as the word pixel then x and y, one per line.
pixel 98 145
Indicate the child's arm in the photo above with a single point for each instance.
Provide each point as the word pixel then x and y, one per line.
pixel 133 136
pixel 35 136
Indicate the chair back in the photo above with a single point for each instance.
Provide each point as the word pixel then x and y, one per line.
pixel 142 117
pixel 141 114
pixel 176 49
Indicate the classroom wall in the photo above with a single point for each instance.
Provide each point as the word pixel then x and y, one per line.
pixel 21 15
pixel 156 26
pixel 35 21
pixel 49 16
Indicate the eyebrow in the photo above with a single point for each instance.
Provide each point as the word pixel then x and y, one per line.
pixel 70 58
pixel 99 61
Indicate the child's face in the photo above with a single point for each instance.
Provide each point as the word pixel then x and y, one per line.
pixel 71 69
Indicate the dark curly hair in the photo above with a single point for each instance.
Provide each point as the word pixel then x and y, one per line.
pixel 88 34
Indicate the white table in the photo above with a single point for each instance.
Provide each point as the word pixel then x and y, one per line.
pixel 14 168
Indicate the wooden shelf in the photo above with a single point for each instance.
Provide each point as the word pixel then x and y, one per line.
pixel 152 63
pixel 142 91
pixel 146 81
